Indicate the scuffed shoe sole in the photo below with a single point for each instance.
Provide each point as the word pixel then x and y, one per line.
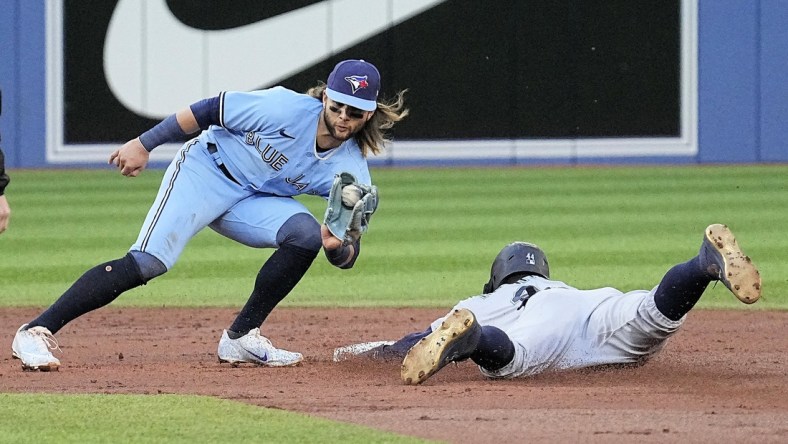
pixel 349 351
pixel 49 367
pixel 237 363
pixel 739 274
pixel 437 349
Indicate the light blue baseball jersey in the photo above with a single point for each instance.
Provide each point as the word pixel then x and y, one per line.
pixel 267 140
pixel 562 327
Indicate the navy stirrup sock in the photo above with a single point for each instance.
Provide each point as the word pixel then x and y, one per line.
pixel 280 273
pixel 401 347
pixel 96 288
pixel 680 289
pixel 495 350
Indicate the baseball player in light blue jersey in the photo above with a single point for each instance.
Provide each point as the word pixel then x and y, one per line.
pixel 525 323
pixel 254 152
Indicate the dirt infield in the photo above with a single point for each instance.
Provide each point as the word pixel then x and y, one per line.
pixel 722 378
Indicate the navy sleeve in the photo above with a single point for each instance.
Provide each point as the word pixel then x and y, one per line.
pixel 206 112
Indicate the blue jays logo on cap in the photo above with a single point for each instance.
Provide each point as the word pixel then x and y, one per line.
pixel 355 83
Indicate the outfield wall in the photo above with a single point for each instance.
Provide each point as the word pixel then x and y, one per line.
pixel 526 82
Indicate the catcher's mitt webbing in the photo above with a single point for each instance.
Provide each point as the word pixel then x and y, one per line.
pixel 349 220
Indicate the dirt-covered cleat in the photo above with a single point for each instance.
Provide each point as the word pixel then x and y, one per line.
pixel 376 350
pixel 454 340
pixel 256 349
pixel 32 346
pixel 722 258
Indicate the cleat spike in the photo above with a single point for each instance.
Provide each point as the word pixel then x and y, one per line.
pixel 721 256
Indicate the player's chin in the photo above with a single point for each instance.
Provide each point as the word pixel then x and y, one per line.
pixel 342 134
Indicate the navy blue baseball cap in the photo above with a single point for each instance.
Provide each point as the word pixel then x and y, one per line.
pixel 355 83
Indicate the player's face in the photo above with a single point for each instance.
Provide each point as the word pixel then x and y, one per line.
pixel 343 121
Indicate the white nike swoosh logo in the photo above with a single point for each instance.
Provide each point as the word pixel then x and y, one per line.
pixel 156 65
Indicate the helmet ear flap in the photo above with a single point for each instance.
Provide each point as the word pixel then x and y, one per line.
pixel 488 287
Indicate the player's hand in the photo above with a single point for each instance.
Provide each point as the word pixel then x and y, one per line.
pixel 131 158
pixel 330 242
pixel 5 213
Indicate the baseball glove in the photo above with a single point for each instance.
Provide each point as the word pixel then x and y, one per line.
pixel 350 207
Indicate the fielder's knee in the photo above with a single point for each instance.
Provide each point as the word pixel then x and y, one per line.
pixel 148 265
pixel 301 230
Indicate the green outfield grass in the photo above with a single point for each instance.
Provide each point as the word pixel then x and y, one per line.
pixel 431 241
pixel 167 419
pixel 430 244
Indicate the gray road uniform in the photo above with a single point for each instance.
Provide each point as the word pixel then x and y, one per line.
pixel 561 327
pixel 524 323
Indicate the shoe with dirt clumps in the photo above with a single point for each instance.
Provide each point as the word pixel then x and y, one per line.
pixel 454 340
pixel 721 257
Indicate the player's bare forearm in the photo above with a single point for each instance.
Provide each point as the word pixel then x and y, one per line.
pixel 5 213
pixel 131 158
pixel 187 121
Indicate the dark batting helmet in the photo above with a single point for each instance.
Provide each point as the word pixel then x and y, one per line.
pixel 517 257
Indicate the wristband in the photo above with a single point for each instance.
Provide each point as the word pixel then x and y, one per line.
pixel 345 256
pixel 167 130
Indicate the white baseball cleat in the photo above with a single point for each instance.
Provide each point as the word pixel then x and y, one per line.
pixel 256 349
pixel 721 257
pixel 31 346
pixel 360 349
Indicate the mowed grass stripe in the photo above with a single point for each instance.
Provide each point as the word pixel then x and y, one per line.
pixel 167 418
pixel 431 242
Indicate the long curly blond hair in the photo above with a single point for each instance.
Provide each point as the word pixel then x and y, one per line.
pixel 374 135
